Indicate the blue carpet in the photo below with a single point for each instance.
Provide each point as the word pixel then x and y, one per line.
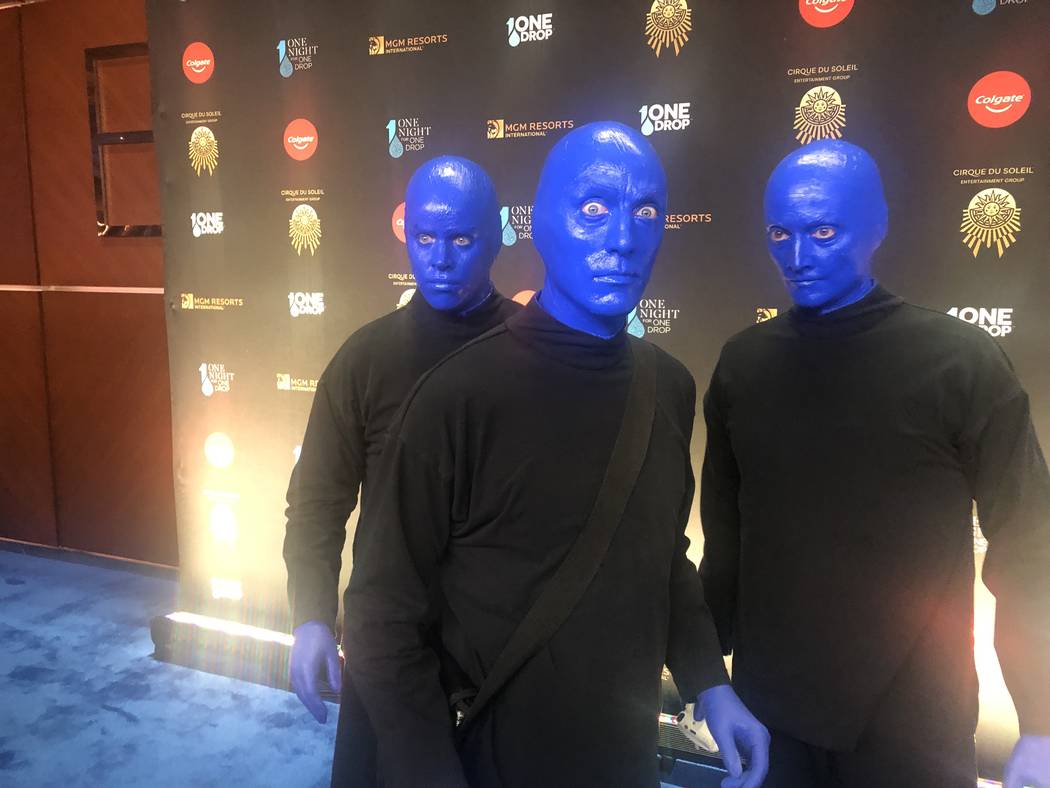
pixel 82 703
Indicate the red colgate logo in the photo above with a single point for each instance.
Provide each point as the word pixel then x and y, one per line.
pixel 397 222
pixel 824 13
pixel 198 62
pixel 300 139
pixel 999 99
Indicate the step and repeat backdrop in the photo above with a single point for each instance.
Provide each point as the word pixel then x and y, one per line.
pixel 286 132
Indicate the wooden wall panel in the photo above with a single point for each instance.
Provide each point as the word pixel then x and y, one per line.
pixel 111 424
pixel 27 509
pixel 56 33
pixel 18 259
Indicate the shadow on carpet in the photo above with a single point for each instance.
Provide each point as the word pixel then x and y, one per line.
pixel 82 702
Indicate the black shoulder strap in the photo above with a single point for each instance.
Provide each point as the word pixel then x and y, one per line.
pixel 565 589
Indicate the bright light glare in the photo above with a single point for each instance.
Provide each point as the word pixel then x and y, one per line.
pixel 226 589
pixel 231 627
pixel 218 449
pixel 223 524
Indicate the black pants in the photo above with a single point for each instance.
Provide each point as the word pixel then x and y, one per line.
pixel 354 761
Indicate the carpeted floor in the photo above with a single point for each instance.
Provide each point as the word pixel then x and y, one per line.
pixel 82 703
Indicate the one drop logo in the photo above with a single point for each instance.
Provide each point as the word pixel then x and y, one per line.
pixel 982 7
pixel 824 13
pixel 999 99
pixel 664 117
pixel 198 62
pixel 635 327
pixel 394 146
pixel 284 62
pixel 535 27
pixel 300 139
pixel 510 235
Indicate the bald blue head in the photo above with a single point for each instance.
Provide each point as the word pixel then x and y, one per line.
pixel 597 222
pixel 825 216
pixel 452 232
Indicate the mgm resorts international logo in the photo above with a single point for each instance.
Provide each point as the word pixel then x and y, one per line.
pixel 288 382
pixel 499 128
pixel 382 45
pixel 679 221
pixel 517 223
pixel 295 54
pixel 527 29
pixel 215 379
pixel 820 115
pixel 203 150
pixel 405 134
pixel 209 303
pixel 206 223
pixel 667 25
pixel 992 217
pixel 301 304
pixel 997 321
pixel 651 316
pixel 304 229
pixel 664 117
pixel 764 313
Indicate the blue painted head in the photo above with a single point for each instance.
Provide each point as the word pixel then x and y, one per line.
pixel 452 231
pixel 825 217
pixel 597 222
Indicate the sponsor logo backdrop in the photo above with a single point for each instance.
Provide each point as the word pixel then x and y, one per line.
pixel 294 243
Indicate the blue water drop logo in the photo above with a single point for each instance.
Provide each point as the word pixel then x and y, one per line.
pixel 394 146
pixel 510 236
pixel 635 327
pixel 647 125
pixel 512 35
pixel 283 59
pixel 983 7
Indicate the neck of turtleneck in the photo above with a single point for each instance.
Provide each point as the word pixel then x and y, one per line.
pixel 853 318
pixel 421 310
pixel 535 327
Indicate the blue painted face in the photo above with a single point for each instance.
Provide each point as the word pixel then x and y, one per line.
pixel 452 231
pixel 825 217
pixel 597 222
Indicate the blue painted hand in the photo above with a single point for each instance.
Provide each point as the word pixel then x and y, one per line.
pixel 1029 763
pixel 825 217
pixel 453 232
pixel 737 733
pixel 597 221
pixel 313 648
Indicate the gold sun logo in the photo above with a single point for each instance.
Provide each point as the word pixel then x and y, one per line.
pixel 820 115
pixel 668 24
pixel 304 229
pixel 204 150
pixel 991 217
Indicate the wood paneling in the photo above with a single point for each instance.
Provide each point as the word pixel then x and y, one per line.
pixel 26 489
pixel 111 424
pixel 56 33
pixel 18 259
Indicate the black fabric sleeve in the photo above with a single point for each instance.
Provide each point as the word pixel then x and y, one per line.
pixel 1012 490
pixel 321 495
pixel 719 516
pixel 393 667
pixel 693 656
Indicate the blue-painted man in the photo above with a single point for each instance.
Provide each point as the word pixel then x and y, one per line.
pixel 452 231
pixel 488 481
pixel 847 441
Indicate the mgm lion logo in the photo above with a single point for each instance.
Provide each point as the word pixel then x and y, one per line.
pixel 204 150
pixel 991 217
pixel 820 115
pixel 304 229
pixel 376 45
pixel 494 129
pixel 668 24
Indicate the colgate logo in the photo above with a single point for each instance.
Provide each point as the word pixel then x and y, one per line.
pixel 824 13
pixel 300 139
pixel 999 99
pixel 198 62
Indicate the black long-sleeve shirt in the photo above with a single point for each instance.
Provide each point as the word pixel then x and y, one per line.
pixel 357 397
pixel 844 452
pixel 485 485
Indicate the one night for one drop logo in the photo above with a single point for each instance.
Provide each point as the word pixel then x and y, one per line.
pixel 526 29
pixel 664 117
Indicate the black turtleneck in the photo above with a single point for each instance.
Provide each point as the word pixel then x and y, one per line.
pixel 485 486
pixel 357 397
pixel 844 452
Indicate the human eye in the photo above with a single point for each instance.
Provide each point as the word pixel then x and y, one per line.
pixel 425 238
pixel 647 212
pixel 824 233
pixel 594 208
pixel 778 234
pixel 462 240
